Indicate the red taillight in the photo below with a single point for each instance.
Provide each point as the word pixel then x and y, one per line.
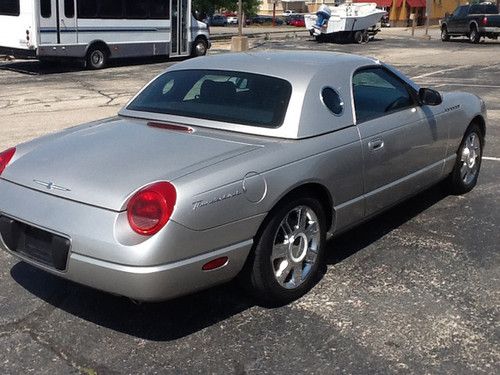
pixel 5 158
pixel 150 208
pixel 485 21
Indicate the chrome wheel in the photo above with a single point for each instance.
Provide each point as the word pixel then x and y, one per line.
pixel 295 247
pixel 471 153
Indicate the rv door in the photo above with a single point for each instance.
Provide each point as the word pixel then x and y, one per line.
pixel 57 22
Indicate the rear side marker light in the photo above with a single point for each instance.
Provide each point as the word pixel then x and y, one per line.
pixel 150 208
pixel 485 21
pixel 216 263
pixel 5 158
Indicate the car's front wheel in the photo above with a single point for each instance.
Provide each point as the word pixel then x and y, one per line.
pixel 288 254
pixel 464 176
pixel 445 37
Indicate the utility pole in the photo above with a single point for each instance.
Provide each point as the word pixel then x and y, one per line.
pixel 239 43
pixel 428 5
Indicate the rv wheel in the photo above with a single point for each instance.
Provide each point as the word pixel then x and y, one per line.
pixel 97 58
pixel 199 48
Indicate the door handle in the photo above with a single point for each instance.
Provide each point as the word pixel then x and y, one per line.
pixel 376 144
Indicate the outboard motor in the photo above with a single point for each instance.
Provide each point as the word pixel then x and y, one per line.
pixel 323 15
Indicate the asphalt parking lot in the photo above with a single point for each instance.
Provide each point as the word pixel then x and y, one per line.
pixel 415 290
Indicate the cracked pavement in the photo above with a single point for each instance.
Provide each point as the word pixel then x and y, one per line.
pixel 415 290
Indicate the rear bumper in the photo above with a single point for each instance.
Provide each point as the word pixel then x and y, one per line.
pixel 154 283
pixel 490 30
pixel 18 53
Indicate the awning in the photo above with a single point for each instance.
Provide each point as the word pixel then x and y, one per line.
pixel 380 3
pixel 416 3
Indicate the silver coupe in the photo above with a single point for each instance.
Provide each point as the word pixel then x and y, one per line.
pixel 236 164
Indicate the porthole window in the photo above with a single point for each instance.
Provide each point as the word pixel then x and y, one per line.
pixel 332 100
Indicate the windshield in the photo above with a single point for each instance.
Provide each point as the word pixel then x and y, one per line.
pixel 227 96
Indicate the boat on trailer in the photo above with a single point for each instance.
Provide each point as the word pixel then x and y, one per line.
pixel 349 21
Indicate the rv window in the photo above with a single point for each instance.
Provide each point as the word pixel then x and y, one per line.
pixel 9 8
pixel 160 9
pixel 110 9
pixel 137 9
pixel 69 8
pixel 87 9
pixel 45 8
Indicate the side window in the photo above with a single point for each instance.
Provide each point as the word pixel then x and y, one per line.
pixel 110 9
pixel 9 8
pixel 476 9
pixel 332 101
pixel 87 8
pixel 160 9
pixel 137 9
pixel 45 8
pixel 377 93
pixel 69 8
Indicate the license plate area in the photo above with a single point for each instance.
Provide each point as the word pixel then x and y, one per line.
pixel 34 243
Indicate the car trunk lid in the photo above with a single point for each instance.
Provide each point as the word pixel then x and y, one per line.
pixel 102 165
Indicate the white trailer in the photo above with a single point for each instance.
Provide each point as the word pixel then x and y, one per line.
pixel 97 30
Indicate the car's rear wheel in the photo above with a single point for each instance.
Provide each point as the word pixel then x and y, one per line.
pixel 464 176
pixel 445 37
pixel 288 254
pixel 474 35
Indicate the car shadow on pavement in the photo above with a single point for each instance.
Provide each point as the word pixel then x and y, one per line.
pixel 174 319
pixel 356 239
pixel 35 67
pixel 161 321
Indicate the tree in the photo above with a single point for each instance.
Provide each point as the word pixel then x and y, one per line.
pixel 250 7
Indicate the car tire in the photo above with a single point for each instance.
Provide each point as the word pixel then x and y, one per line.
pixel 445 37
pixel 474 35
pixel 287 257
pixel 465 173
pixel 199 48
pixel 97 58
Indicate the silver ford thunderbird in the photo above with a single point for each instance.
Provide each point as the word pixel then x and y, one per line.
pixel 237 164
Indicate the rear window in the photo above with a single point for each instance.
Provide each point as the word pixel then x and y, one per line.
pixel 9 7
pixel 227 96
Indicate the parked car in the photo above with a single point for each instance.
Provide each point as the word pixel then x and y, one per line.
pixel 232 19
pixel 288 13
pixel 473 21
pixel 298 21
pixel 263 20
pixel 234 164
pixel 217 20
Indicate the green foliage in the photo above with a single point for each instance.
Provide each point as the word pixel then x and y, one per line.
pixel 250 7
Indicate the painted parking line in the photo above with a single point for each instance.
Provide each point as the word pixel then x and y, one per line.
pixel 442 71
pixel 490 158
pixel 465 85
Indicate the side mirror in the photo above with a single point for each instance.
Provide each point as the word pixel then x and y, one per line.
pixel 429 97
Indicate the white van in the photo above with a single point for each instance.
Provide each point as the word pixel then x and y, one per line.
pixel 97 30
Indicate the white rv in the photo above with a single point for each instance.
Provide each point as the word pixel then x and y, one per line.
pixel 97 30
